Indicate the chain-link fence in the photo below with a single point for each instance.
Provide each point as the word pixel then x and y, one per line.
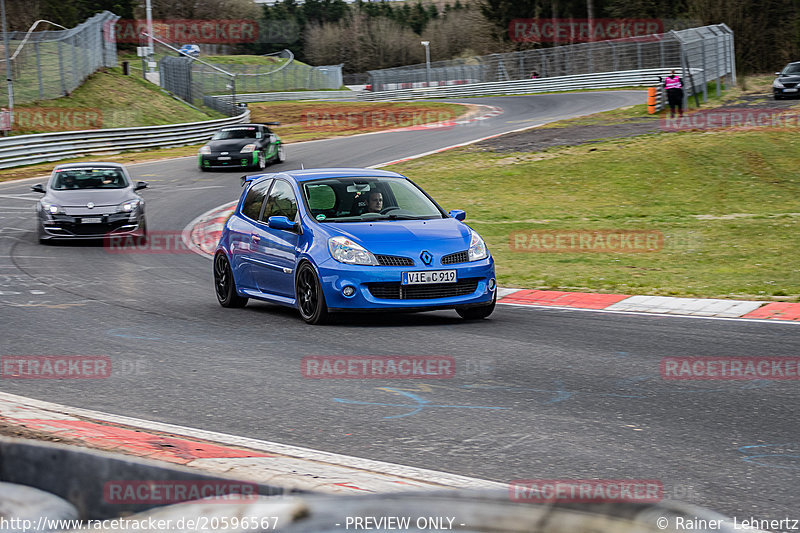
pixel 709 48
pixel 51 64
pixel 196 80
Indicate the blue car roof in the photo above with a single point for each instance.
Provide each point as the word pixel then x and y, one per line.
pixel 320 173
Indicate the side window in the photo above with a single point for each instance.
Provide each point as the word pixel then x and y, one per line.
pixel 255 199
pixel 281 202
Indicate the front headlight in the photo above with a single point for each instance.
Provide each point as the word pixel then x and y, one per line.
pixel 128 207
pixel 248 148
pixel 777 84
pixel 346 251
pixel 205 150
pixel 477 248
pixel 53 209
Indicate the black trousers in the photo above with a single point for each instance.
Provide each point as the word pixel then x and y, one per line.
pixel 675 99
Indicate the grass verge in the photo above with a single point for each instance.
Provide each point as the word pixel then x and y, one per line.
pixel 727 204
pixel 107 99
pixel 305 121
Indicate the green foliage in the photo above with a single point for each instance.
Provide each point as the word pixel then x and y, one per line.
pixel 72 13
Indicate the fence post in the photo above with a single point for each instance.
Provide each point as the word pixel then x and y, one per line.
pixel 731 54
pixel 61 69
pixel 705 71
pixel 75 80
pixel 39 68
pixel 638 56
pixel 720 69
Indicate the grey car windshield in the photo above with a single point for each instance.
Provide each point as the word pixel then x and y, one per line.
pixel 359 199
pixel 89 178
pixel 791 69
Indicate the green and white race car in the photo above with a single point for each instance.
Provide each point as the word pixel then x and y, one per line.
pixel 242 146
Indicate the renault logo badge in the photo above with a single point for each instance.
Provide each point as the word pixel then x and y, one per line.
pixel 426 257
pixel 90 205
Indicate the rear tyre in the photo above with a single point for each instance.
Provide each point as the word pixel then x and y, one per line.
pixel 478 312
pixel 310 298
pixel 224 284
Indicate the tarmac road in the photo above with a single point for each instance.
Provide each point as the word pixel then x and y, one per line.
pixel 538 394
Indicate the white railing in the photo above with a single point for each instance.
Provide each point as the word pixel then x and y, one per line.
pixel 291 95
pixel 43 147
pixel 599 80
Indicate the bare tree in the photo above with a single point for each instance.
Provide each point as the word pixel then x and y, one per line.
pixel 362 43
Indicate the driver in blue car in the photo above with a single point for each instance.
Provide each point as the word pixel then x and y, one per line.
pixel 374 202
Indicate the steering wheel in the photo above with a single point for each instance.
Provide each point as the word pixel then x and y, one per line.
pixel 388 209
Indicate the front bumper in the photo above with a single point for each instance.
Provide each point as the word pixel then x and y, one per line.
pixel 72 227
pixel 786 92
pixel 379 287
pixel 232 161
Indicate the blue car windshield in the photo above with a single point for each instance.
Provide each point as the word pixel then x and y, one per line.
pixel 359 199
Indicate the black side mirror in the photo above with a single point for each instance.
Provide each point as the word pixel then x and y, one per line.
pixel 140 185
pixel 38 188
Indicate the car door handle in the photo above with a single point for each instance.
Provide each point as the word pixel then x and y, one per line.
pixel 255 237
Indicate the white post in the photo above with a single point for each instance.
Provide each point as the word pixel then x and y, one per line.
pixel 427 45
pixel 149 11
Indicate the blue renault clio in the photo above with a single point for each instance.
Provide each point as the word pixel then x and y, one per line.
pixel 350 239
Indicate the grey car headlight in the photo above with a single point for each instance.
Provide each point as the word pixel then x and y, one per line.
pixel 777 84
pixel 128 207
pixel 205 150
pixel 52 209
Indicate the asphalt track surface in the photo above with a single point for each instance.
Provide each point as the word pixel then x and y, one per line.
pixel 539 393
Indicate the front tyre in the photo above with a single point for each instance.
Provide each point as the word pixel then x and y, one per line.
pixel 478 312
pixel 310 298
pixel 280 157
pixel 224 284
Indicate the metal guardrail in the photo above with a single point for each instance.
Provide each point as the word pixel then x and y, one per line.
pixel 291 95
pixel 43 147
pixel 600 80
